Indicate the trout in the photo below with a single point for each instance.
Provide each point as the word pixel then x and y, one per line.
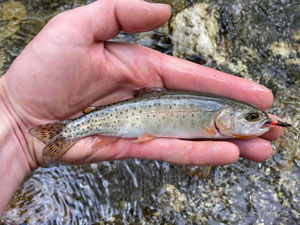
pixel 156 112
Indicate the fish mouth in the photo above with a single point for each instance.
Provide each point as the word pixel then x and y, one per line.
pixel 256 130
pixel 263 130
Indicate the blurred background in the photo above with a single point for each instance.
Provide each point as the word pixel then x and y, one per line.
pixel 255 39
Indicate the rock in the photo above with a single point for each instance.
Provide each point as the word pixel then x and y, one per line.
pixel 195 31
pixel 173 197
pixel 198 171
pixel 13 13
pixel 196 34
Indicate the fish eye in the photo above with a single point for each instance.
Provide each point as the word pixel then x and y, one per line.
pixel 252 116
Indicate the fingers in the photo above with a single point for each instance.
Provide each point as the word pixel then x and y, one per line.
pixel 256 149
pixel 203 153
pixel 135 16
pixel 169 150
pixel 180 74
pixel 199 153
pixel 107 18
pixel 274 132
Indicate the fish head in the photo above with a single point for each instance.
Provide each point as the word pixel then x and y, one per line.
pixel 244 123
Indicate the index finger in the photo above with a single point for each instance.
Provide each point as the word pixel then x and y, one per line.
pixel 181 74
pixel 149 67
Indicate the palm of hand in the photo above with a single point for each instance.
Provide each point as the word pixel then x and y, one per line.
pixel 69 71
pixel 67 68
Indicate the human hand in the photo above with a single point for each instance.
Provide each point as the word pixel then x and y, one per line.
pixel 69 65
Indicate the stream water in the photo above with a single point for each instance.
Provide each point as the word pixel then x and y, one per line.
pixel 263 43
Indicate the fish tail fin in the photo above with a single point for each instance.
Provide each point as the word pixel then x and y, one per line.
pixel 47 132
pixel 56 148
pixel 56 144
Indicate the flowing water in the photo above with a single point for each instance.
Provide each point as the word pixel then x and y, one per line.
pixel 260 41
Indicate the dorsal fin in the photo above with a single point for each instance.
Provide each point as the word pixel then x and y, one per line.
pixel 89 109
pixel 146 90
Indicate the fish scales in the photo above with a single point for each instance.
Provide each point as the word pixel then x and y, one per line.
pixel 168 115
pixel 158 113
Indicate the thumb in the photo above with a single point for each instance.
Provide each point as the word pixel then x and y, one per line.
pixel 106 18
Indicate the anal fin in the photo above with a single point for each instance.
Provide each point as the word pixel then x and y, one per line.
pixel 56 148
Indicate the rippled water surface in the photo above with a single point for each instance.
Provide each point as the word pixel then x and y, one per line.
pixel 150 192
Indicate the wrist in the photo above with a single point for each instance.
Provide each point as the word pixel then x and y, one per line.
pixel 15 166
